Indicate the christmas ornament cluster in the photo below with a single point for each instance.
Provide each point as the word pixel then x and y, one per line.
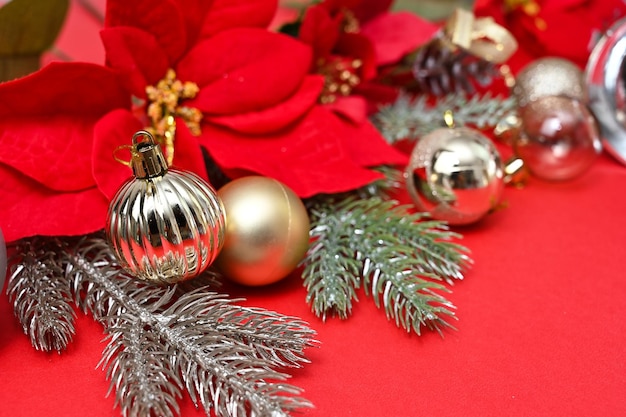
pixel 564 115
pixel 167 225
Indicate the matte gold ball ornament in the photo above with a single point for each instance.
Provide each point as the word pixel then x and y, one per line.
pixel 455 175
pixel 164 225
pixel 267 232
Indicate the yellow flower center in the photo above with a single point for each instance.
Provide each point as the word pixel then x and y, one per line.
pixel 165 105
pixel 350 23
pixel 340 77
pixel 530 8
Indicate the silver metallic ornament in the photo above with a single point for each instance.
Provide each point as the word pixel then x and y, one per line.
pixel 164 225
pixel 558 139
pixel 455 174
pixel 605 77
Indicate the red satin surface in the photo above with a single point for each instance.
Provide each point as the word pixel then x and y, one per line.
pixel 540 330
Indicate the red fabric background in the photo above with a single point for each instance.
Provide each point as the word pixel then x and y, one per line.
pixel 541 329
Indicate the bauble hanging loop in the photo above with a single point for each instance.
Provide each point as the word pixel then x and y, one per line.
pixel 164 225
pixel 148 160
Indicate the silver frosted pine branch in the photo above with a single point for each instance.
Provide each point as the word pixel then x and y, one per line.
pixel 162 340
pixel 409 118
pixel 40 294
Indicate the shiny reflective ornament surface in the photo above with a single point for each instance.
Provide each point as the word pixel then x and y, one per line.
pixel 165 225
pixel 3 260
pixel 559 139
pixel 605 76
pixel 267 232
pixel 549 77
pixel 455 174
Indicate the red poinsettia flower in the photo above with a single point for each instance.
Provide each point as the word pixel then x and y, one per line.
pixel 563 28
pixel 229 85
pixel 351 39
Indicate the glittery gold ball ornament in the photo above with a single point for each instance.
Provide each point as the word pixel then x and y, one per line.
pixel 267 232
pixel 164 225
pixel 455 174
pixel 558 139
pixel 549 77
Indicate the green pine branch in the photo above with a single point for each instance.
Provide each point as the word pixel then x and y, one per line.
pixel 410 118
pixel 396 256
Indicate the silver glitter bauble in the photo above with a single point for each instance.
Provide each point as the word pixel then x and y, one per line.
pixel 549 77
pixel 165 225
pixel 558 139
pixel 455 174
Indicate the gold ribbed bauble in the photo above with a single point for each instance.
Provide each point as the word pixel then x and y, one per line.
pixel 164 225
pixel 455 175
pixel 267 231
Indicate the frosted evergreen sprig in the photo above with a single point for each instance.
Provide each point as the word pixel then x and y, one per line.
pixel 41 296
pixel 409 118
pixel 163 340
pixel 396 256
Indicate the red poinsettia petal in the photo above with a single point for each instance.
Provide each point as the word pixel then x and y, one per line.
pixel 309 158
pixel 79 89
pixel 164 21
pixel 336 6
pixel 376 94
pixel 556 37
pixel 283 16
pixel 243 70
pixel 188 154
pixel 111 133
pixel 52 150
pixel 30 209
pixel 395 35
pixel 136 54
pixel 353 108
pixel 366 10
pixel 358 46
pixel 319 30
pixel 46 120
pixel 368 148
pixel 194 14
pixel 277 117
pixel 228 14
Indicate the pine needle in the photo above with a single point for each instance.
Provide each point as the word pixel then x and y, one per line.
pixel 40 294
pixel 396 257
pixel 409 119
pixel 161 340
